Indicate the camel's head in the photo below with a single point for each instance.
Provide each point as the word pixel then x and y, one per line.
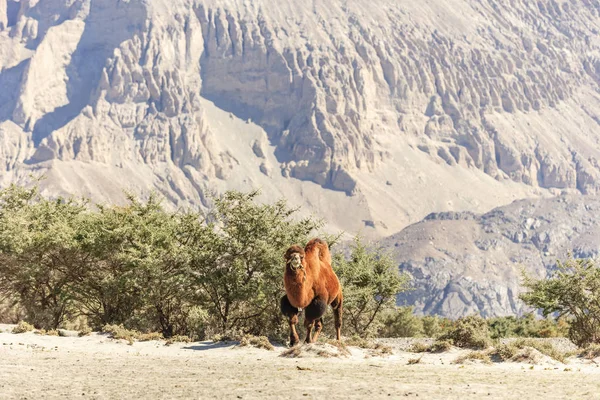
pixel 294 257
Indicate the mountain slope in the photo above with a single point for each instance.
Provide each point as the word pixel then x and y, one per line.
pixel 464 263
pixel 371 113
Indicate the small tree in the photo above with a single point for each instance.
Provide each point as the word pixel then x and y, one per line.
pixel 572 290
pixel 239 270
pixel 39 255
pixel 370 280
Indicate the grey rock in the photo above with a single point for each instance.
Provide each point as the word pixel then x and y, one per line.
pixel 474 262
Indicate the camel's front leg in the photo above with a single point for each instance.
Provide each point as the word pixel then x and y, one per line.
pixel 291 313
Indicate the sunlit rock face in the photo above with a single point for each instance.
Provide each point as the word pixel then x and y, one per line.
pixel 369 113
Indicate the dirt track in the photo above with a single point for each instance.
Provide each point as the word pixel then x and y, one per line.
pixel 95 367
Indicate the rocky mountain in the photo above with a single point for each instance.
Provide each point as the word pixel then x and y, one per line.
pixel 369 113
pixel 464 263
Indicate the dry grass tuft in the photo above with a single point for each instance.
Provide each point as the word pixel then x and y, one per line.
pixel 292 352
pixel 178 339
pixel 481 355
pixel 527 350
pixel 85 331
pixel 375 347
pixel 590 352
pixel 419 347
pixel 44 332
pixel 324 350
pixel 261 342
pixel 119 332
pixel 413 361
pixel 441 345
pixel 23 327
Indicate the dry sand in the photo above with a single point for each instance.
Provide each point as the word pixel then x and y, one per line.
pixel 96 367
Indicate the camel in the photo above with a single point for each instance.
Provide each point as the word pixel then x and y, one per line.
pixel 310 284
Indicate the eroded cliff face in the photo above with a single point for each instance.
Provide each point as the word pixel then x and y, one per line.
pixel 391 108
pixel 466 263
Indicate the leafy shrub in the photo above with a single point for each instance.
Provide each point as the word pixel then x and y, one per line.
pixel 420 347
pixel 527 326
pixel 469 332
pixel 573 290
pixel 23 327
pixel 371 281
pixel 38 253
pixel 401 322
pixel 435 326
pixel 240 267
pixel 441 345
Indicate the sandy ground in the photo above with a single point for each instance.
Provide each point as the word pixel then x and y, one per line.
pixel 96 367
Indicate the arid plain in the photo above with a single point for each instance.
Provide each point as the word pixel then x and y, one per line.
pixel 97 367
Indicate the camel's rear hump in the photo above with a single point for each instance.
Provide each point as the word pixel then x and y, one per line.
pixel 321 247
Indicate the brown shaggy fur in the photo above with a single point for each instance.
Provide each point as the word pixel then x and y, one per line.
pixel 311 287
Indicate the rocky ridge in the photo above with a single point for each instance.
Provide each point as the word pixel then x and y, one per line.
pixel 399 108
pixel 465 263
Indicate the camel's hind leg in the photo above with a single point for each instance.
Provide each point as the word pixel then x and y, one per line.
pixel 337 306
pixel 291 313
pixel 312 314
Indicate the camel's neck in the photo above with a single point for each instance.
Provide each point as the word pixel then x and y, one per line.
pixel 298 286
pixel 296 275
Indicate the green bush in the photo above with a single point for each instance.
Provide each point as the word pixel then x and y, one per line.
pixel 371 281
pixel 527 326
pixel 469 332
pixel 401 322
pixel 572 291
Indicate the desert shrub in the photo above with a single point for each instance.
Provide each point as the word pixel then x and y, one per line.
pixel 119 332
pixel 469 332
pixel 44 332
pixel 517 350
pixel 23 327
pixel 260 342
pixel 591 352
pixel 178 339
pixel 371 281
pixel 483 356
pixel 38 253
pixel 85 331
pixel 441 345
pixel 419 347
pixel 401 322
pixel 435 326
pixel 138 264
pixel 527 326
pixel 572 291
pixel 360 342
